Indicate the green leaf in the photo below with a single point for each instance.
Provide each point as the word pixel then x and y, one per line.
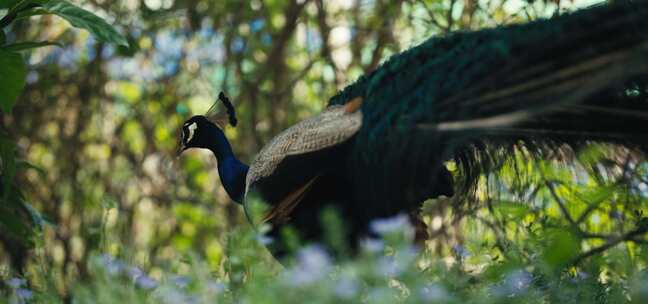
pixel 22 46
pixel 12 78
pixel 6 4
pixel 561 248
pixel 3 39
pixel 18 6
pixel 81 18
pixel 512 209
pixel 31 12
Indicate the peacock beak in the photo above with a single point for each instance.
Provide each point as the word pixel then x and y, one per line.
pixel 181 148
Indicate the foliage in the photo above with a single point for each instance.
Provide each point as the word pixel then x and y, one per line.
pixel 102 122
pixel 388 270
pixel 20 221
pixel 13 68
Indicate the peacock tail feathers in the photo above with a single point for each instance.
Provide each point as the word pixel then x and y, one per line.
pixel 535 90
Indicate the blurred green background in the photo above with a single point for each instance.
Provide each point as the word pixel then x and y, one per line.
pixel 103 122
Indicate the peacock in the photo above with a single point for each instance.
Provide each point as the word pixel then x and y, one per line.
pixel 380 147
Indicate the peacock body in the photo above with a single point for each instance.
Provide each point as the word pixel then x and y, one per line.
pixel 470 97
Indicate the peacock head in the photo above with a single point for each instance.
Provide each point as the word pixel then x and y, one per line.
pixel 205 131
pixel 196 132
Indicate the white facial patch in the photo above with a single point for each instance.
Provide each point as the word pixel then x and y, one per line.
pixel 192 129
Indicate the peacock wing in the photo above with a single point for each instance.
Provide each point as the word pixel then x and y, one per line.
pixel 333 126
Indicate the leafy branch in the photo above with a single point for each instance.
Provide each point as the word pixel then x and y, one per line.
pixel 19 221
pixel 12 65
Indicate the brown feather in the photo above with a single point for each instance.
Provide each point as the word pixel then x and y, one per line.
pixel 353 105
pixel 279 214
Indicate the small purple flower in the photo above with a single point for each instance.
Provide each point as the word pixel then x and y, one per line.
pixel 32 77
pixel 580 276
pixel 140 278
pixel 390 225
pixel 389 266
pixel 15 282
pixel 314 258
pixel 134 272
pixel 146 282
pixel 313 264
pixel 171 296
pixel 460 251
pixel 263 239
pixel 519 280
pixel 372 245
pixel 515 283
pixel 215 287
pixel 24 294
pixel 407 255
pixel 346 288
pixel 181 281
pixel 433 293
pixel 380 295
pixel 113 266
pixel 105 258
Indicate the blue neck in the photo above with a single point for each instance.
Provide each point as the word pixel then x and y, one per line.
pixel 232 171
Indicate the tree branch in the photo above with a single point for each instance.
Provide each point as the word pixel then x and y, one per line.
pixel 628 236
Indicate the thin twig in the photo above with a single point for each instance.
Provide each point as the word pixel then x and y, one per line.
pixel 628 236
pixel 561 204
